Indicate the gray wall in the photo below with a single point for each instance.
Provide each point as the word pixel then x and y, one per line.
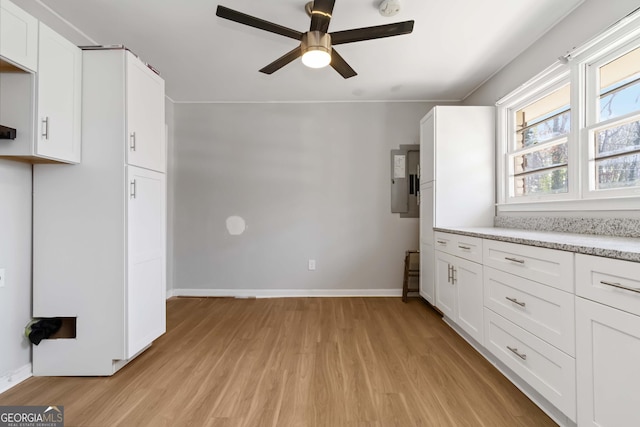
pixel 15 258
pixel 311 181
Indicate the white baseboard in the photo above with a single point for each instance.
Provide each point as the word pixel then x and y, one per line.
pixel 15 377
pixel 285 293
pixel 170 293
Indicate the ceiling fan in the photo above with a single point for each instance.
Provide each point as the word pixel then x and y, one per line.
pixel 316 45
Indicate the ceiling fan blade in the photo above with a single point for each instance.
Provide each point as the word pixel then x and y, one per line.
pixel 233 15
pixel 282 61
pixel 321 15
pixel 370 33
pixel 340 65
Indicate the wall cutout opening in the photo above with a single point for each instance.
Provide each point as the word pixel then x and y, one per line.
pixel 50 328
pixel 236 225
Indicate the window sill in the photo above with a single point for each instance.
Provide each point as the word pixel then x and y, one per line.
pixel 613 204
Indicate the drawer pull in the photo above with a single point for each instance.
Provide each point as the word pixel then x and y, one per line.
pixel 619 286
pixel 441 242
pixel 515 351
pixel 467 248
pixel 519 261
pixel 515 301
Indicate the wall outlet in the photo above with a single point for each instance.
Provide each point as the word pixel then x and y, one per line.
pixel 312 264
pixel 3 279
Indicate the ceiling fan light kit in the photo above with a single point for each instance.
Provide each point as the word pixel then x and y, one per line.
pixel 316 44
pixel 316 49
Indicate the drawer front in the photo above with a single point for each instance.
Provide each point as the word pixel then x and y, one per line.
pixel 445 242
pixel 549 266
pixel 548 370
pixel 468 248
pixel 542 310
pixel 458 245
pixel 611 282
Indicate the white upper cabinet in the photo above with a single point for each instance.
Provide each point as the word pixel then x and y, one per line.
pixel 58 130
pixel 41 85
pixel 145 116
pixel 18 36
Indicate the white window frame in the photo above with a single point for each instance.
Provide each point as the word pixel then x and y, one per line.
pixel 579 67
pixel 590 68
pixel 546 82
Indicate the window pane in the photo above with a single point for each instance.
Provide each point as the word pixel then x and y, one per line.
pixel 620 101
pixel 620 86
pixel 544 119
pixel 546 182
pixel 553 127
pixel 619 172
pixel 618 139
pixel 552 156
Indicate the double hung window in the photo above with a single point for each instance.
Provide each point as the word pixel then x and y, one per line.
pixel 613 121
pixel 572 133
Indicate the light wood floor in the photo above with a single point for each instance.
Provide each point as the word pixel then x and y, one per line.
pixel 294 362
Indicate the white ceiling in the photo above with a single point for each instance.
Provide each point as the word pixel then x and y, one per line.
pixel 456 45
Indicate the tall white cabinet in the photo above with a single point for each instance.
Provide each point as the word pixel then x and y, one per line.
pixel 99 226
pixel 456 177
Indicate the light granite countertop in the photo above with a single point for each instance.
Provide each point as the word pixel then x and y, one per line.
pixel 624 248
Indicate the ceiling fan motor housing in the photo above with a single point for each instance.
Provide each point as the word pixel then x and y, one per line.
pixel 316 40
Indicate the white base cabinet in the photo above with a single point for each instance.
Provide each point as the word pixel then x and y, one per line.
pixel 100 230
pixel 564 327
pixel 459 292
pixel 608 341
pixel 551 372
pixel 608 349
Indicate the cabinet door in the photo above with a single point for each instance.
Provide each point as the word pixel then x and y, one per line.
pixel 145 116
pixel 426 214
pixel 607 354
pixel 146 258
pixel 427 144
pixel 59 97
pixel 445 288
pixel 467 278
pixel 18 36
pixel 427 283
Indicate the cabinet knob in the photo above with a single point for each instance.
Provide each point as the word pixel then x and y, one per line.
pixel 132 141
